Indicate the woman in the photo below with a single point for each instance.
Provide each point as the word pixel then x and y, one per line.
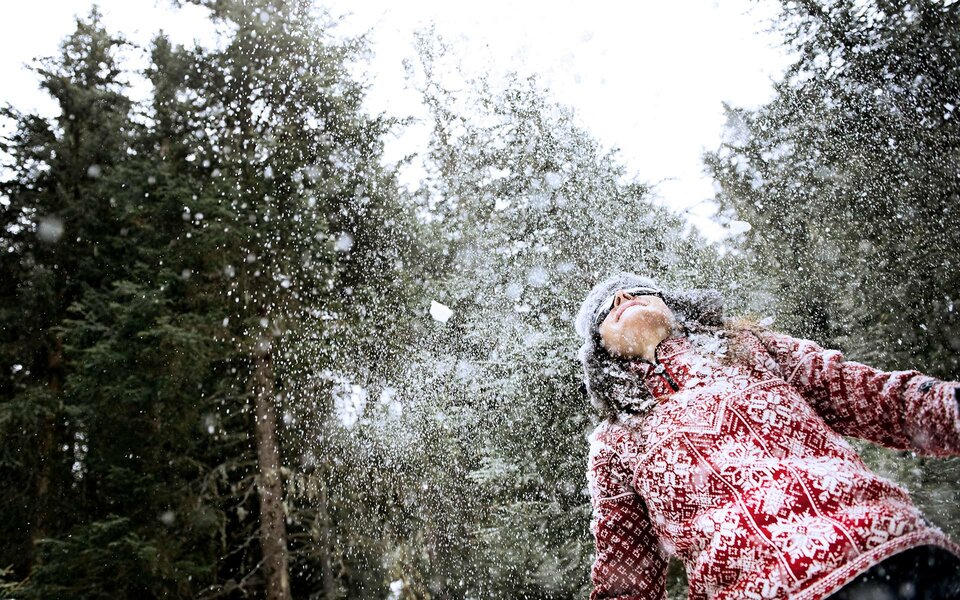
pixel 722 446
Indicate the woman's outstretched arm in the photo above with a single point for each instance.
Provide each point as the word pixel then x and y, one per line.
pixel 904 410
pixel 630 563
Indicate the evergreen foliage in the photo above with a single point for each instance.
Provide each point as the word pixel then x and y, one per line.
pixel 227 366
pixel 849 179
pixel 158 249
pixel 528 211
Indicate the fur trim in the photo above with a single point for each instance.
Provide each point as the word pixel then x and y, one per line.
pixel 610 385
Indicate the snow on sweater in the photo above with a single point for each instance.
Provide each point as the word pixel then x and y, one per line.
pixel 743 475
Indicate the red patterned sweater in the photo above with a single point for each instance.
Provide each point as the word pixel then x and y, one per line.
pixel 742 472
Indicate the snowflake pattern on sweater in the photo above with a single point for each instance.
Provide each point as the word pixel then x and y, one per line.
pixel 743 475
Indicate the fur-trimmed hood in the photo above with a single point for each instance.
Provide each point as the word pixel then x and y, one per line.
pixel 611 386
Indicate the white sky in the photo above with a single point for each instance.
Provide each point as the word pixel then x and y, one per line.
pixel 646 76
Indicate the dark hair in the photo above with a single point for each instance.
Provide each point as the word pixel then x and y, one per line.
pixel 610 385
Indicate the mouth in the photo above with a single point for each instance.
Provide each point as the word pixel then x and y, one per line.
pixel 624 307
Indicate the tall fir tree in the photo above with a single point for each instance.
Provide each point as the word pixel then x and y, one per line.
pixel 528 212
pixel 849 179
pixel 325 244
pixel 195 268
pixel 122 365
pixel 53 226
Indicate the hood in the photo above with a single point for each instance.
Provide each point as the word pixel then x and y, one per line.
pixel 610 384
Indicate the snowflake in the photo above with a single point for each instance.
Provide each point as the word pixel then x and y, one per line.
pixel 725 525
pixel 830 476
pixel 672 465
pixel 774 497
pixel 742 464
pixel 770 410
pixel 803 536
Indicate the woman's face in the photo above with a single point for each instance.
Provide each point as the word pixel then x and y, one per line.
pixel 635 325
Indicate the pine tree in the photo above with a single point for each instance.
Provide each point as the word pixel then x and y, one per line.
pixel 197 263
pixel 97 220
pixel 848 178
pixel 528 212
pixel 319 249
pixel 55 215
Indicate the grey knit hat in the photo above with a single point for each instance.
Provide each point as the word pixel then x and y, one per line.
pixel 611 387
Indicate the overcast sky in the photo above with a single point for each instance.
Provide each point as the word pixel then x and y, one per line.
pixel 646 76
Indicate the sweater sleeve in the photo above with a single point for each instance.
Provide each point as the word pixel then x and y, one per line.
pixel 630 563
pixel 903 410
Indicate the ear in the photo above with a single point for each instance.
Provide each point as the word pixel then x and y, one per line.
pixel 676 324
pixel 703 305
pixel 709 304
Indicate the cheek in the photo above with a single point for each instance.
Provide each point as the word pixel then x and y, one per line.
pixel 609 335
pixel 620 338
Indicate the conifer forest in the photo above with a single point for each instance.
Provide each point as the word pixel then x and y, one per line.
pixel 240 359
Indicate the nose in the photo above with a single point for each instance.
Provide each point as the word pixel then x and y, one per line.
pixel 621 297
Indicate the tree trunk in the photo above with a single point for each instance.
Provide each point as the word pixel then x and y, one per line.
pixel 326 564
pixel 273 531
pixel 46 453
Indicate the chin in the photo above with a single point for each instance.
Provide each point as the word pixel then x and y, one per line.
pixel 645 318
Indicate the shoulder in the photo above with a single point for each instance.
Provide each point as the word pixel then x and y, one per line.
pixel 604 432
pixel 612 447
pixel 619 436
pixel 603 442
pixel 775 344
pixel 751 347
pixel 778 343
